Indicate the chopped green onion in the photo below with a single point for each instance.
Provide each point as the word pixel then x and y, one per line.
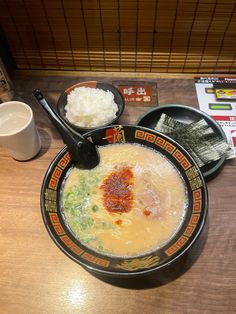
pixel 95 208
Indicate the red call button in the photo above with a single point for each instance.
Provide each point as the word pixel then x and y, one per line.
pixel 136 93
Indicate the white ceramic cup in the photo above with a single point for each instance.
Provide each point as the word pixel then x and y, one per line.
pixel 18 133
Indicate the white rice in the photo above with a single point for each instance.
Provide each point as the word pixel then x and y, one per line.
pixel 90 107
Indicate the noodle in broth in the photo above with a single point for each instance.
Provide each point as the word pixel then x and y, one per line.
pixel 132 203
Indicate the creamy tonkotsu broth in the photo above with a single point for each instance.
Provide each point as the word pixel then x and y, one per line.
pixel 133 202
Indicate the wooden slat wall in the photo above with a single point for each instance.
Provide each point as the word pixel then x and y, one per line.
pixel 176 36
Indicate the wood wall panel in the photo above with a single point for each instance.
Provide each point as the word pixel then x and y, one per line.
pixel 181 36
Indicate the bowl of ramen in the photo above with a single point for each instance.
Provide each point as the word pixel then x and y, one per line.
pixel 137 212
pixel 86 106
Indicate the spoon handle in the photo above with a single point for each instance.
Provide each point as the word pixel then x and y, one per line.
pixel 82 151
pixel 61 126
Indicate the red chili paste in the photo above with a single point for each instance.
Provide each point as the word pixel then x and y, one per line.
pixel 147 212
pixel 117 191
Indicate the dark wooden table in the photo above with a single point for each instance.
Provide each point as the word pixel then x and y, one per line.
pixel 36 277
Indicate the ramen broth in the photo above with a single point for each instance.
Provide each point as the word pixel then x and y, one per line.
pixel 132 203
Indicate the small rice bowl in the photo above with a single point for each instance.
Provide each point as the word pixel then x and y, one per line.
pixel 90 107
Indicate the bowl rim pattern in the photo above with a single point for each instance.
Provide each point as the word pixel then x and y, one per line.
pixel 130 266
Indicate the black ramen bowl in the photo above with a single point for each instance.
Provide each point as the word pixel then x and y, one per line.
pixel 186 114
pixel 62 101
pixel 145 264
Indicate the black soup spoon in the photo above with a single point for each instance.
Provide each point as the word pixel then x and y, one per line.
pixel 83 152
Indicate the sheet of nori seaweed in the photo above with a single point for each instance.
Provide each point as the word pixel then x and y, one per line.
pixel 198 138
